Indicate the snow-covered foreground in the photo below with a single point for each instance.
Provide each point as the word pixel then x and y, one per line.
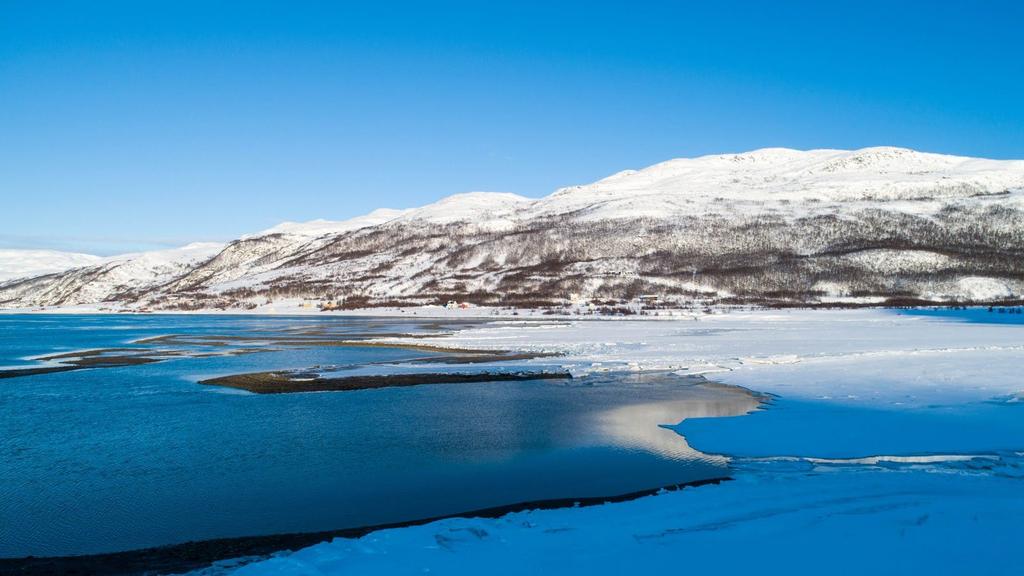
pixel 893 444
pixel 821 522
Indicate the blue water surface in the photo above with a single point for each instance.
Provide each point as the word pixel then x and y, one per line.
pixel 112 459
pixel 974 314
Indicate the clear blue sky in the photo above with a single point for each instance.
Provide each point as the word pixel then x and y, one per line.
pixel 130 125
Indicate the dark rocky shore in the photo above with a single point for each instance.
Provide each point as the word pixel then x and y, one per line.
pixel 286 382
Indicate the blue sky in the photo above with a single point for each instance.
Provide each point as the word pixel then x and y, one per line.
pixel 135 125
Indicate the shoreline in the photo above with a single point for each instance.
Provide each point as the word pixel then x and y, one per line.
pixel 514 313
pixel 116 357
pixel 193 555
pixel 284 383
pixel 786 367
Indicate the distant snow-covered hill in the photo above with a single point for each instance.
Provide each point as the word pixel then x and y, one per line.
pixel 115 279
pixel 774 226
pixel 27 263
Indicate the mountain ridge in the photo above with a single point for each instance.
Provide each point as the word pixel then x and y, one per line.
pixel 774 226
pixel 26 263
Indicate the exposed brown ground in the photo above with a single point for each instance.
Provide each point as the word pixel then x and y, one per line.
pixel 286 382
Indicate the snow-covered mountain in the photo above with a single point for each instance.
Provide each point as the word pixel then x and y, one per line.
pixel 773 225
pixel 118 278
pixel 28 263
pixel 316 228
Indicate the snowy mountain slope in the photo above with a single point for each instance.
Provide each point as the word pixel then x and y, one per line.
pixel 116 278
pixel 821 180
pixel 773 225
pixel 491 210
pixel 316 228
pixel 28 263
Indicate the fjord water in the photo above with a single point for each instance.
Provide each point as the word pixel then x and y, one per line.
pixel 974 314
pixel 110 459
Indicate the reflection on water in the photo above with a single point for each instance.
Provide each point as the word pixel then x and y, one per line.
pixel 133 456
pixel 642 426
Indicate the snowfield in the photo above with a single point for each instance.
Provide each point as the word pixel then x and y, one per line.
pixel 821 519
pixel 873 354
pixel 888 435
